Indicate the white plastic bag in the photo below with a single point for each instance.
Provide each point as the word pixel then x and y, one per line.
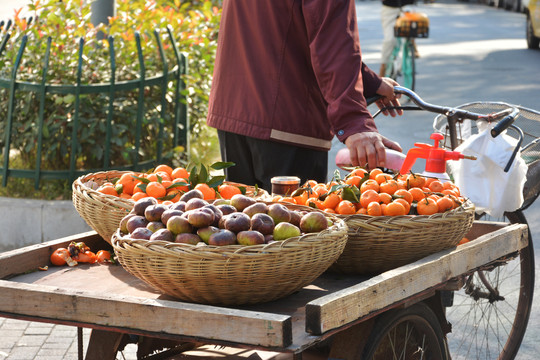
pixel 484 181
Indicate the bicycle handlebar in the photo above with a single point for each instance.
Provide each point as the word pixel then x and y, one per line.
pixel 509 114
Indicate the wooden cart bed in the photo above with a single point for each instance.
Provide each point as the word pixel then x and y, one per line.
pixel 106 297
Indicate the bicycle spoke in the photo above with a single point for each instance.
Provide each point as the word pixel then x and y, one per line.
pixel 489 323
pixel 393 344
pixel 407 339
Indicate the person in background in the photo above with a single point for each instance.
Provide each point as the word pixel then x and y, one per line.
pixel 289 77
pixel 390 11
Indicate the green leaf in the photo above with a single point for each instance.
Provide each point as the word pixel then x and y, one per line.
pixel 141 179
pixel 29 147
pixel 312 205
pixel 349 194
pixel 337 187
pixel 193 177
pixel 364 179
pixel 203 174
pixel 177 184
pixel 167 197
pixel 220 165
pixel 215 181
pixel 298 192
pixel 337 175
pixel 68 99
pixel 98 152
pixel 142 186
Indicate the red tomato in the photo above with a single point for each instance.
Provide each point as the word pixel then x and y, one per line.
pixel 103 256
pixel 59 256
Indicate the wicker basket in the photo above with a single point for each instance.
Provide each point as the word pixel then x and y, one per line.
pixel 412 25
pixel 103 212
pixel 235 274
pixel 379 243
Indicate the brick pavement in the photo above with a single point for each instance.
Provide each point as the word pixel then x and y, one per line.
pixel 27 340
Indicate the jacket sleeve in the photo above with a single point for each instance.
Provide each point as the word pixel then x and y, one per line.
pixel 370 80
pixel 337 62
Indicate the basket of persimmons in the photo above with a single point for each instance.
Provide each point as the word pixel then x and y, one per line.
pixel 104 198
pixel 392 219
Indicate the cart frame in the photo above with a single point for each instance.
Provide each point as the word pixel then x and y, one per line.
pixel 105 298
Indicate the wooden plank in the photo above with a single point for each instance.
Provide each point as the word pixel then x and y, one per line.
pixel 31 257
pixel 153 315
pixel 92 280
pixel 350 304
pixel 95 278
pixel 103 345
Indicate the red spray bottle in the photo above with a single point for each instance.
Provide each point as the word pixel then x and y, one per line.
pixel 435 156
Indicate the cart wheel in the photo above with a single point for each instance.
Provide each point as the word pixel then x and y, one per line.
pixel 407 334
pixel 490 313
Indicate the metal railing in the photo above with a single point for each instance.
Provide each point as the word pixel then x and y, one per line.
pixel 42 89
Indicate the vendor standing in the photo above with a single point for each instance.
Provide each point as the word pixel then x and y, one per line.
pixel 288 77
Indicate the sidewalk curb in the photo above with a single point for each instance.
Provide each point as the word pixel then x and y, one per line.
pixel 29 222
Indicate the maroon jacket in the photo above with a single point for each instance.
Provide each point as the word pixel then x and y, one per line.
pixel 291 71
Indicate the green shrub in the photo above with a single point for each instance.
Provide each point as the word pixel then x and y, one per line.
pixel 194 27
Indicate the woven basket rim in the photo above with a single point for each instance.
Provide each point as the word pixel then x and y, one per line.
pixel 78 185
pixel 466 207
pixel 236 250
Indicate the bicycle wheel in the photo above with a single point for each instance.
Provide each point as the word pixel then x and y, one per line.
pixel 408 66
pixel 393 66
pixel 401 65
pixel 490 313
pixel 407 334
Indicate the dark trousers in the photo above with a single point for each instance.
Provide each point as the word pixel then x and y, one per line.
pixel 257 161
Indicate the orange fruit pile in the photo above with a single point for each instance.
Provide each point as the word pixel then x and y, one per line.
pixel 377 193
pixel 164 183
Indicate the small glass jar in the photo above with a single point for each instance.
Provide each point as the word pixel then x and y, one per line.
pixel 284 185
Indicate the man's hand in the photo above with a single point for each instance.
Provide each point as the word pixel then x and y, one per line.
pixel 386 89
pixel 368 148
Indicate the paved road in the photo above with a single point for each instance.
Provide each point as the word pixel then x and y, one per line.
pixel 473 53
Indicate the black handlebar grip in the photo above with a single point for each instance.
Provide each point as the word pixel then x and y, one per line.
pixel 370 100
pixel 502 125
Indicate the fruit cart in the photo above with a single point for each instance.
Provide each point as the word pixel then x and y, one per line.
pixel 346 314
